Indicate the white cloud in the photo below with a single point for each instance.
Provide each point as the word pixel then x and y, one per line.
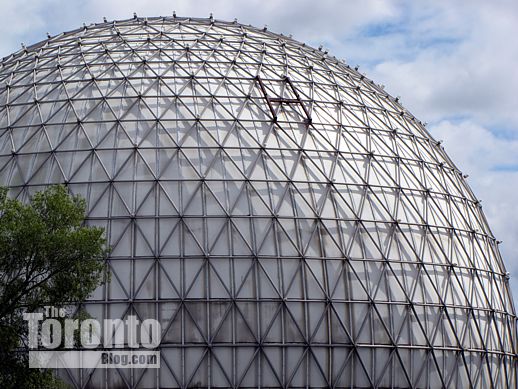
pixel 19 19
pixel 492 164
pixel 466 67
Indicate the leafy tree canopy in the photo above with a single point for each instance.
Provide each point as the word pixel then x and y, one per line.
pixel 47 257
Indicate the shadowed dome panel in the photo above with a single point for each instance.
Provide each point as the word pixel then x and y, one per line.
pixel 286 220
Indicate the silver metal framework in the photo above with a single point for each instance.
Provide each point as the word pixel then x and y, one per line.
pixel 288 222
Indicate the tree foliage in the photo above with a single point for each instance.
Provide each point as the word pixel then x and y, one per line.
pixel 47 257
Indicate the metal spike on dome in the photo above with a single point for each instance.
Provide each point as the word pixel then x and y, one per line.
pixel 265 28
pixel 134 15
pixel 174 14
pixel 48 35
pixel 105 20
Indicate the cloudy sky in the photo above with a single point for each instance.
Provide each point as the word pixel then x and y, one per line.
pixel 454 64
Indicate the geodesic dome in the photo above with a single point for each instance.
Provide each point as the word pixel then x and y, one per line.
pixel 288 222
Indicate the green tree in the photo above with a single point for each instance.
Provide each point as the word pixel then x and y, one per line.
pixel 47 257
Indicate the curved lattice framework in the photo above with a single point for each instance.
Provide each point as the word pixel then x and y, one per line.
pixel 287 221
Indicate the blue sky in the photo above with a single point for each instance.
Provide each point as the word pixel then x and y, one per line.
pixel 452 63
